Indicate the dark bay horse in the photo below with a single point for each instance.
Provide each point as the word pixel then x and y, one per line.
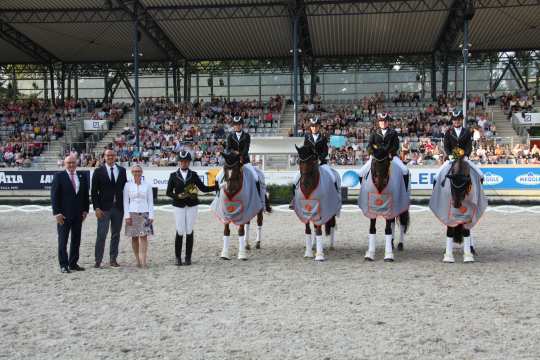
pixel 380 176
pixel 233 182
pixel 309 181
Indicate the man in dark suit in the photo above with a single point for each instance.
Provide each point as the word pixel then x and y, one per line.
pixel 318 141
pixel 69 197
pixel 108 183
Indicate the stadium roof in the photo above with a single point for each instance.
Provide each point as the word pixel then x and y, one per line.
pixel 93 31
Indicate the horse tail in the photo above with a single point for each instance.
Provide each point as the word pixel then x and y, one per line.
pixel 404 220
pixel 458 234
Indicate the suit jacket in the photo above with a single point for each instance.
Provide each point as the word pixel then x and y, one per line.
pixel 178 185
pixel 103 191
pixel 64 199
pixel 452 141
pixel 388 142
pixel 242 145
pixel 320 146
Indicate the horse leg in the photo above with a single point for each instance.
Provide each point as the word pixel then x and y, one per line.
pixel 246 227
pixel 393 224
pixel 242 243
pixel 468 257
pixel 319 254
pixel 330 228
pixel 449 253
pixel 404 222
pixel 473 250
pixel 260 217
pixel 309 242
pixel 226 237
pixel 388 242
pixel 372 240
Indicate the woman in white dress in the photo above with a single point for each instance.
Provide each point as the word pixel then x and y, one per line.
pixel 139 214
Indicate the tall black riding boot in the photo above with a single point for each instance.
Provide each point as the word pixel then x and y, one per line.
pixel 178 249
pixel 189 247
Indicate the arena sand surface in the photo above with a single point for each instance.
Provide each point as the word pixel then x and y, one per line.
pixel 277 305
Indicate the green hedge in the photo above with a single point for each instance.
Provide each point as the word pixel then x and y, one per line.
pixel 280 194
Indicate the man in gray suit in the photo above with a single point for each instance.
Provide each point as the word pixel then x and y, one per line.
pixel 108 183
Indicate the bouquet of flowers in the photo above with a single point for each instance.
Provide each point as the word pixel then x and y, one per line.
pixel 190 191
pixel 457 153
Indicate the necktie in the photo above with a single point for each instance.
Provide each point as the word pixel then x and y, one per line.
pixel 72 177
pixel 112 176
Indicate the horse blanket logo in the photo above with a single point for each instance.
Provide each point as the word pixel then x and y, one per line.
pixel 323 203
pixel 240 208
pixel 388 204
pixel 472 207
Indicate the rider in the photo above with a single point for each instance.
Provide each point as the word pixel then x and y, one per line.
pixel 458 137
pixel 319 142
pixel 386 139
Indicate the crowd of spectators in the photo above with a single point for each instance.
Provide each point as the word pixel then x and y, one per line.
pixel 166 128
pixel 421 128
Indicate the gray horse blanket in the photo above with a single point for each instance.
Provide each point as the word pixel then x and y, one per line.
pixel 323 203
pixel 472 208
pixel 241 207
pixel 391 202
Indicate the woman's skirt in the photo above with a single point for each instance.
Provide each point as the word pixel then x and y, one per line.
pixel 140 225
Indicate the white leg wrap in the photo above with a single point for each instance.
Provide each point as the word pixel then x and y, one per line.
pixel 319 255
pixel 449 254
pixel 246 233
pixel 242 248
pixel 388 252
pixel 309 247
pixel 372 243
pixel 467 255
pixel 225 251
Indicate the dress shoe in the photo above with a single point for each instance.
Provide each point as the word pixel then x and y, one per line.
pixel 187 262
pixel 97 265
pixel 114 264
pixel 179 262
pixel 76 267
pixel 64 270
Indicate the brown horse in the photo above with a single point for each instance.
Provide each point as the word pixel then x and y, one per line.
pixel 309 180
pixel 460 185
pixel 380 175
pixel 233 178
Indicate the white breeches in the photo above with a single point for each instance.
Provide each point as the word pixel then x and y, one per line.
pixel 327 169
pixel 185 219
pixel 396 160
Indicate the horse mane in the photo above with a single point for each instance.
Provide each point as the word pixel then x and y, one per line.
pixel 380 171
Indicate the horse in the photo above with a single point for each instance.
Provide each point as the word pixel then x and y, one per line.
pixel 238 201
pixel 384 193
pixel 458 205
pixel 315 187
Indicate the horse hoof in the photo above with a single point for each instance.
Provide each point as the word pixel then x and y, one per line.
pixel 449 259
pixel 258 245
pixel 248 247
pixel 224 258
pixel 366 258
pixel 370 256
pixel 400 246
pixel 468 258
pixel 473 251
pixel 388 259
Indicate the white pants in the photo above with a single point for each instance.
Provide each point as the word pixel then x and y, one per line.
pixel 396 160
pixel 471 164
pixel 327 169
pixel 185 219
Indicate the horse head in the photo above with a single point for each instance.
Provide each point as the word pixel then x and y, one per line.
pixel 309 168
pixel 380 168
pixel 232 172
pixel 460 181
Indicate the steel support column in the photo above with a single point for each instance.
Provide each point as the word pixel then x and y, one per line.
pixel 136 72
pixel 295 73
